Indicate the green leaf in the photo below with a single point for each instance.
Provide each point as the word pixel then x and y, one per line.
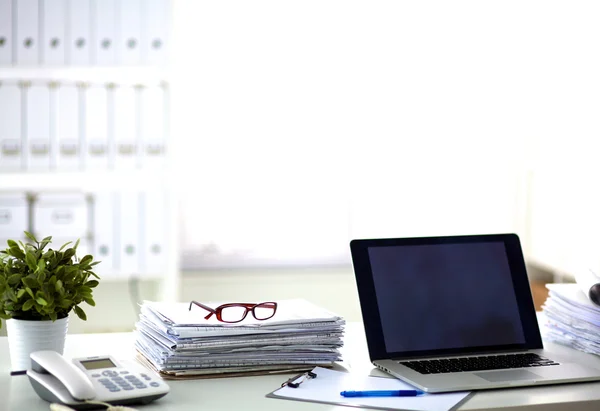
pixel 29 292
pixel 41 264
pixel 45 242
pixel 4 316
pixel 30 236
pixel 10 294
pixel 68 254
pixel 76 244
pixel 58 286
pixel 29 282
pixel 16 252
pixel 41 301
pixel 27 305
pixel 64 245
pixel 20 293
pixel 92 284
pixel 80 313
pixel 14 279
pixel 53 316
pixel 86 260
pixel 12 243
pixel 30 260
pixel 89 301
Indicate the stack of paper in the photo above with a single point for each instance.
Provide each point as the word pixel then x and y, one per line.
pixel 571 318
pixel 179 343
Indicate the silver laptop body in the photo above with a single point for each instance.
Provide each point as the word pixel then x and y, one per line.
pixel 427 300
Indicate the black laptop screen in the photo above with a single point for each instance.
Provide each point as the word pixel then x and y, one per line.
pixel 445 296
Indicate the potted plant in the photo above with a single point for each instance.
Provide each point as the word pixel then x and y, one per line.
pixel 38 290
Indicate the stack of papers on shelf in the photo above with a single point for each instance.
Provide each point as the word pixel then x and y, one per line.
pixel 571 318
pixel 179 343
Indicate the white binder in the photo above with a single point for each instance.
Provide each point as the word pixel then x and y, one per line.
pixel 153 111
pixel 27 39
pixel 6 32
pixel 129 32
pixel 11 146
pixel 96 128
pixel 153 239
pixel 37 127
pixel 78 37
pixel 126 129
pixel 104 239
pixel 14 216
pixel 104 32
pixel 52 39
pixel 67 126
pixel 61 215
pixel 155 29
pixel 128 226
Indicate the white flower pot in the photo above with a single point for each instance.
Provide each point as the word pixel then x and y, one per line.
pixel 27 336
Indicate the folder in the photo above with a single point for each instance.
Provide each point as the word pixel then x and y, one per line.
pixel 53 110
pixel 104 32
pixel 14 216
pixel 6 32
pixel 61 215
pixel 125 121
pixel 68 120
pixel 96 127
pixel 129 29
pixel 52 39
pixel 11 147
pixel 37 127
pixel 66 216
pixel 78 29
pixel 153 115
pixel 154 233
pixel 128 226
pixel 155 28
pixel 27 38
pixel 104 240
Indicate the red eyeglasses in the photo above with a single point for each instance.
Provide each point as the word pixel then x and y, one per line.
pixel 236 312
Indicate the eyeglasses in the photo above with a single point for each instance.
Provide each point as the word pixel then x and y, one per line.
pixel 236 312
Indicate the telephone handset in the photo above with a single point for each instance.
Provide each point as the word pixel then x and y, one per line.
pixel 103 378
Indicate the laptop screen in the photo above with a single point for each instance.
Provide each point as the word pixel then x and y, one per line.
pixel 440 296
pixel 437 295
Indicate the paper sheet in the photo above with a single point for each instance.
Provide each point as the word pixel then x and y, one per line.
pixel 327 386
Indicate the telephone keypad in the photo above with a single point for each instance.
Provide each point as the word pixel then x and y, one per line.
pixel 114 382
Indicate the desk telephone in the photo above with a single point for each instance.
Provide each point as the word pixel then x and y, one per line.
pixel 103 378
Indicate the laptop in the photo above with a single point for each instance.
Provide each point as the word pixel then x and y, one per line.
pixel 454 313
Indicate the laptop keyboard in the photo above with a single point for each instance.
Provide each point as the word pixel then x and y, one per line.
pixel 491 362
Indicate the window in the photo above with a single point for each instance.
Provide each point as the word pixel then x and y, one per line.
pixel 303 124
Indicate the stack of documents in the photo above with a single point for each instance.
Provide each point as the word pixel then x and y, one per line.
pixel 180 343
pixel 571 318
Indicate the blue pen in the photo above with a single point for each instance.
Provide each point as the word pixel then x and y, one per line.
pixel 382 393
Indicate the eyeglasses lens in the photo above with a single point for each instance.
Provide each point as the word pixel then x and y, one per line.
pixel 264 311
pixel 233 314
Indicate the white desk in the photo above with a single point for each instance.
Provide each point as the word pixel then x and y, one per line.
pixel 248 393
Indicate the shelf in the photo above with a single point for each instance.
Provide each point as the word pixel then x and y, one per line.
pixel 84 180
pixel 127 75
